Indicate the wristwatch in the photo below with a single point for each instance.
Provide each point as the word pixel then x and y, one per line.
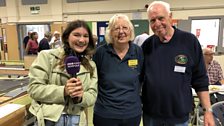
pixel 207 109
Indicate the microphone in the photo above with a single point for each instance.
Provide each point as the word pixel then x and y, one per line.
pixel 72 66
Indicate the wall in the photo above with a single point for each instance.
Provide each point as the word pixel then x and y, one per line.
pixel 59 10
pixel 104 9
pixel 12 42
pixel 50 12
pixel 3 13
pixel 58 26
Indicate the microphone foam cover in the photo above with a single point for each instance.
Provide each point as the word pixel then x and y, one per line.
pixel 72 64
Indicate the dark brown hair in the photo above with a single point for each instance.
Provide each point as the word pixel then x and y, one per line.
pixel 88 51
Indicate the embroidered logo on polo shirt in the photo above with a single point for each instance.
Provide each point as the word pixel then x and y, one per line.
pixel 181 59
pixel 132 63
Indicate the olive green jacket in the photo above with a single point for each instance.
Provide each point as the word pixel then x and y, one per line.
pixel 46 87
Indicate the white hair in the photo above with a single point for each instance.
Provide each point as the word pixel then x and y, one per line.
pixel 166 5
pixel 112 24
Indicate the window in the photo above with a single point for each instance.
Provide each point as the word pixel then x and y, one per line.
pixel 210 31
pixel 207 31
pixel 76 1
pixel 2 3
pixel 34 2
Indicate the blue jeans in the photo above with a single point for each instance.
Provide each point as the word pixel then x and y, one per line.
pixel 68 120
pixel 148 121
pixel 64 120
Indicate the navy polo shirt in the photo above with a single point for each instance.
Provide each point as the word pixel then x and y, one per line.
pixel 118 82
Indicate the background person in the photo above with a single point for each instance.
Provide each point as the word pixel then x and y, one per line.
pixel 32 45
pixel 52 88
pixel 44 43
pixel 214 69
pixel 26 39
pixel 119 65
pixel 173 65
pixel 56 40
pixel 141 38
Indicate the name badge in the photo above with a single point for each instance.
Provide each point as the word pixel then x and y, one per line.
pixel 179 69
pixel 132 62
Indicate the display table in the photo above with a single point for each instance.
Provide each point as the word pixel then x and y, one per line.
pixel 212 89
pixel 13 86
pixel 13 71
pixel 14 101
pixel 12 115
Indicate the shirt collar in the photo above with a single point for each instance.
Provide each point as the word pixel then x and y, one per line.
pixel 130 53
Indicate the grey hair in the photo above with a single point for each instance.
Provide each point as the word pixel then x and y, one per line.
pixel 47 34
pixel 165 4
pixel 111 25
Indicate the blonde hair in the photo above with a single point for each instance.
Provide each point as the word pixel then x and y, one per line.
pixel 111 25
